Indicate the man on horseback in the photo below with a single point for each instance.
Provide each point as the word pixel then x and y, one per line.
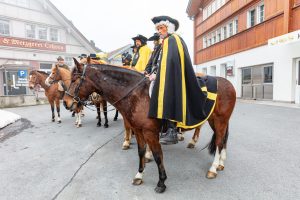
pixel 126 59
pixel 176 95
pixel 61 63
pixel 141 57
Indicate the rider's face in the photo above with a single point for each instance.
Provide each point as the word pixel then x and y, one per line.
pixel 162 30
pixel 138 43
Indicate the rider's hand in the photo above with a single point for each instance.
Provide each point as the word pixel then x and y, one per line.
pixel 152 77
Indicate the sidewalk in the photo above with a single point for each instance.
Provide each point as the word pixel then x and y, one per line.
pixel 270 103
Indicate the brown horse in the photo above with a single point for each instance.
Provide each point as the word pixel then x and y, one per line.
pixel 128 92
pixel 62 74
pixel 52 93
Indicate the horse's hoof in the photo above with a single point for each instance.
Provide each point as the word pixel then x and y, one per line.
pixel 125 147
pixel 105 125
pixel 59 121
pixel 160 189
pixel 97 117
pixel 211 175
pixel 82 115
pixel 79 125
pixel 53 120
pixel 98 125
pixel 115 119
pixel 220 168
pixel 190 146
pixel 137 181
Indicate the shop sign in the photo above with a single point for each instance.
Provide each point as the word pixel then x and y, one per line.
pixel 285 39
pixel 31 44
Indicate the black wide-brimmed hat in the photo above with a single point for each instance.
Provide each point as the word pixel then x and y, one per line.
pixel 155 36
pixel 127 56
pixel 82 55
pixel 93 56
pixel 158 19
pixel 142 38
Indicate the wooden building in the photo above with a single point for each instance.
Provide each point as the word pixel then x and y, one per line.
pixel 253 43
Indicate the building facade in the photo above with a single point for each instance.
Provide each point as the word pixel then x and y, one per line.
pixel 33 33
pixel 253 43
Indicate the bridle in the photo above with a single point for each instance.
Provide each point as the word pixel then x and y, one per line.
pixel 53 80
pixel 76 98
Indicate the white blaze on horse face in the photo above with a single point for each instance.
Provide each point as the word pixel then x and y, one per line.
pixel 216 162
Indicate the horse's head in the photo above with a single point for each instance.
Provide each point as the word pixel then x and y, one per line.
pixel 54 76
pixel 33 79
pixel 79 89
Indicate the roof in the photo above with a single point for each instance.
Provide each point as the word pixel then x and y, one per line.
pixel 74 31
pixel 118 51
pixel 193 7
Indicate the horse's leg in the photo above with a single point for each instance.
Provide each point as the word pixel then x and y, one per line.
pixel 195 138
pixel 152 140
pixel 79 114
pixel 127 136
pixel 104 105
pixel 98 113
pixel 52 110
pixel 180 135
pixel 116 115
pixel 148 155
pixel 217 146
pixel 58 110
pixel 138 179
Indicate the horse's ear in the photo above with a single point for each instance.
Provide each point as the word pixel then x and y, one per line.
pixel 88 60
pixel 76 62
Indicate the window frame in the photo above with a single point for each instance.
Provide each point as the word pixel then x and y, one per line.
pixel 50 36
pixel 5 22
pixel 33 31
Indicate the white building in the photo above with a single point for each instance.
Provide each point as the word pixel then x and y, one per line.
pixel 33 33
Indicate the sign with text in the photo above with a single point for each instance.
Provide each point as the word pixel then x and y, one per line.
pixel 285 39
pixel 22 73
pixel 31 44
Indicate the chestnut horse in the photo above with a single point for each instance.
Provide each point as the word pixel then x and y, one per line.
pixel 64 75
pixel 127 90
pixel 52 93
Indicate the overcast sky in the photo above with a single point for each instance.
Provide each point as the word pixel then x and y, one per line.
pixel 112 23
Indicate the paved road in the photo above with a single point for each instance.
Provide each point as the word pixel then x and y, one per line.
pixel 58 161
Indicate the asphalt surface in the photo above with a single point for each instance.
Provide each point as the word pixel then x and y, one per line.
pixel 45 160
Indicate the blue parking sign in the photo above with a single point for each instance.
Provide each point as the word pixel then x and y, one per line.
pixel 22 73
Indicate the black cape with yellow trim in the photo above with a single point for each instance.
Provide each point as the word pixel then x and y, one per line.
pixel 176 94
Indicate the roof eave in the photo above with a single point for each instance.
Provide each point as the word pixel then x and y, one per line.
pixel 193 7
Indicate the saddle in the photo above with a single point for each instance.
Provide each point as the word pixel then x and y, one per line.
pixel 209 86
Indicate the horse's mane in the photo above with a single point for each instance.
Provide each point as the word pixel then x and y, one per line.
pixel 122 70
pixel 41 72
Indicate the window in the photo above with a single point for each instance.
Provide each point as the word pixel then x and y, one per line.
pixel 204 70
pixel 209 42
pixel 246 76
pixel 236 23
pixel 213 7
pixel 30 31
pixel 213 38
pixel 46 67
pixel 219 35
pixel 218 4
pixel 42 33
pixel 69 61
pixel 204 13
pixel 4 27
pixel 261 13
pixel 268 74
pixel 251 18
pixel 224 32
pixel 204 42
pixel 230 29
pixel 208 10
pixel 53 34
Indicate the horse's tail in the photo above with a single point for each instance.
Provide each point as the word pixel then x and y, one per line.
pixel 212 145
